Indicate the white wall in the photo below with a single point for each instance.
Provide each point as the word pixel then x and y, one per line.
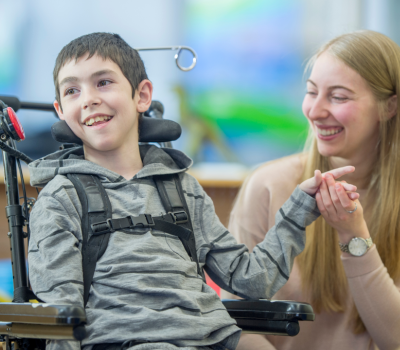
pixel 45 26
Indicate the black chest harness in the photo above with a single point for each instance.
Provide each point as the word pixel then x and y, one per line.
pixel 98 224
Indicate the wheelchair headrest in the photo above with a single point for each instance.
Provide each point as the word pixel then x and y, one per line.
pixel 150 130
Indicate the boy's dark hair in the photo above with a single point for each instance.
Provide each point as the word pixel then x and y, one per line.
pixel 108 46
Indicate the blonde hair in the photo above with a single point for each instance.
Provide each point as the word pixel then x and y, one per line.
pixel 377 59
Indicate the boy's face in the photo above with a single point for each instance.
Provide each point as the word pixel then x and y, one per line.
pixel 97 103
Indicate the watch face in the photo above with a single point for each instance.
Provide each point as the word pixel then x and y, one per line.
pixel 357 247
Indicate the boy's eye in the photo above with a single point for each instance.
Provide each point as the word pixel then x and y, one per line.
pixel 70 91
pixel 104 82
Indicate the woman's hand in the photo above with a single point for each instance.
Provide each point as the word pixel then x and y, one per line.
pixel 334 204
pixel 311 186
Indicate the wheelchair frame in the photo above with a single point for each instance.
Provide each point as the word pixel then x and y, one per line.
pixel 23 324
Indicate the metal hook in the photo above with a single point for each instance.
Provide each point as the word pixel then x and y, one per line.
pixel 179 48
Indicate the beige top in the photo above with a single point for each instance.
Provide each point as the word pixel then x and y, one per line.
pixel 376 296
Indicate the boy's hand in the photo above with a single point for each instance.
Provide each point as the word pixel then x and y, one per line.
pixel 335 206
pixel 311 186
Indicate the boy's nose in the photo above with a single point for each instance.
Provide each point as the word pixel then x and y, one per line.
pixel 89 100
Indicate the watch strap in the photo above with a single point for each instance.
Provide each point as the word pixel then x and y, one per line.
pixel 344 247
pixel 369 242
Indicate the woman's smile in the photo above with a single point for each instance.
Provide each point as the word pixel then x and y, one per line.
pixel 327 133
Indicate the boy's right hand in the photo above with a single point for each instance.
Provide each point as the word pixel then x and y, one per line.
pixel 311 186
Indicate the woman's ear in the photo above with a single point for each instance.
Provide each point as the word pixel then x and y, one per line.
pixel 391 107
pixel 145 93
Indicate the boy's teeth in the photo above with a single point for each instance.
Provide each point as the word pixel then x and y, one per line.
pixel 328 132
pixel 91 121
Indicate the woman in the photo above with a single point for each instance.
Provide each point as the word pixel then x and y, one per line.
pixel 351 105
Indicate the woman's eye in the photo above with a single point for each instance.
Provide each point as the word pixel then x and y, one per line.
pixel 104 82
pixel 312 93
pixel 337 98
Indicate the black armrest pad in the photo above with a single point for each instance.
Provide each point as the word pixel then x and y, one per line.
pixel 269 310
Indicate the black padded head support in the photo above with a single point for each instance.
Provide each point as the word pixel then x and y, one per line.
pixel 61 132
pixel 150 130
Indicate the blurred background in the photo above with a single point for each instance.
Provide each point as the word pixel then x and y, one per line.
pixel 240 106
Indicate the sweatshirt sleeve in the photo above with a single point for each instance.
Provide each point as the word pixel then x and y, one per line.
pixel 260 274
pixel 376 296
pixel 55 262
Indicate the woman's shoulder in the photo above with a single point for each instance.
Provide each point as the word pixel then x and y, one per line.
pixel 262 194
pixel 282 172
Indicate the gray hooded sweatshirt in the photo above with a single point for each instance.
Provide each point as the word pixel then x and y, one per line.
pixel 145 286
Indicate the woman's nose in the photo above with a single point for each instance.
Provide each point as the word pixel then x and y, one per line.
pixel 319 109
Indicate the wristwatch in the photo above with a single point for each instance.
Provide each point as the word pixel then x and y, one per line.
pixel 357 246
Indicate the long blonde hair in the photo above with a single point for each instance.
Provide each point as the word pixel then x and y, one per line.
pixel 377 59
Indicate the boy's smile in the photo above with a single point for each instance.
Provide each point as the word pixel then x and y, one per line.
pixel 97 119
pixel 97 104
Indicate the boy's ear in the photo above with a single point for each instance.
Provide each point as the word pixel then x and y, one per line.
pixel 145 94
pixel 59 110
pixel 391 107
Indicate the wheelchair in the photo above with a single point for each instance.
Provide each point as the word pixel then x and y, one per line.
pixel 25 325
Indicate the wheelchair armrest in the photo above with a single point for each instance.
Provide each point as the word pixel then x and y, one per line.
pixel 269 316
pixel 42 321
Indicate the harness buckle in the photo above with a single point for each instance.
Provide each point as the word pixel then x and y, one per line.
pixel 100 228
pixel 145 220
pixel 179 217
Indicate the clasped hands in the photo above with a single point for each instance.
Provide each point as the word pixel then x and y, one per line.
pixel 336 200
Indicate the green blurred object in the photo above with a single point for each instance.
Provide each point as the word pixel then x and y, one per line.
pixel 247 87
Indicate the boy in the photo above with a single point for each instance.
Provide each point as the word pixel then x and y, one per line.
pixel 145 287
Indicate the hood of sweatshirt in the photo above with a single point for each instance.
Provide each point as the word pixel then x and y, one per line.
pixel 156 161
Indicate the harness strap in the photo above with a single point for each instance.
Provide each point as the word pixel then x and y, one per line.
pixel 172 196
pixel 143 220
pixel 177 221
pixel 96 207
pixel 97 222
pixel 187 238
pixel 165 223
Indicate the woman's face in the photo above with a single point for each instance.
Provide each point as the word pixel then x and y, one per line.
pixel 341 110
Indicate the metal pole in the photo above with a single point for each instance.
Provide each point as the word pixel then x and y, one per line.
pixel 15 224
pixel 38 106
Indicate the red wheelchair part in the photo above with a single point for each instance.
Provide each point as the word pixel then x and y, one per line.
pixel 16 123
